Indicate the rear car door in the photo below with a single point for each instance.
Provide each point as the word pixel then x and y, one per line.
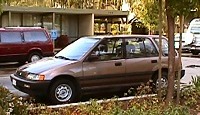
pixel 12 46
pixel 141 58
pixel 107 69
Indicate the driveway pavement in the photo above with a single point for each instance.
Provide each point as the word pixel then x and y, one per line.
pixel 192 68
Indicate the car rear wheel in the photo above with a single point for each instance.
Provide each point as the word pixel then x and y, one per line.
pixel 195 53
pixel 62 91
pixel 163 82
pixel 35 56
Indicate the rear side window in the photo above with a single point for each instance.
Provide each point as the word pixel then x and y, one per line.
pixel 164 45
pixel 10 37
pixel 35 36
pixel 140 47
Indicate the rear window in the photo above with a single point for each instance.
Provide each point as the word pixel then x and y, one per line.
pixel 35 36
pixel 10 37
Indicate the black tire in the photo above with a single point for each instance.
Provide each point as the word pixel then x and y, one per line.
pixel 195 53
pixel 164 81
pixel 34 56
pixel 62 91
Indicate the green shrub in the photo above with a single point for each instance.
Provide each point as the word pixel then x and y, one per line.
pixel 190 94
pixel 10 104
pixel 196 82
pixel 176 110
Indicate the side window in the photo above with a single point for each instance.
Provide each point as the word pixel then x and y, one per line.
pixel 109 49
pixel 30 36
pixel 164 45
pixel 11 37
pixel 150 48
pixel 140 47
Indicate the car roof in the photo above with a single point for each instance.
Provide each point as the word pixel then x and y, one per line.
pixel 21 28
pixel 114 36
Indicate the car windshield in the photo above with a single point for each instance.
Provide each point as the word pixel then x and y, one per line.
pixel 78 49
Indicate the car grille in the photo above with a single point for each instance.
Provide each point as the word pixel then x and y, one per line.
pixel 21 74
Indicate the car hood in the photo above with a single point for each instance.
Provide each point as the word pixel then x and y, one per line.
pixel 44 65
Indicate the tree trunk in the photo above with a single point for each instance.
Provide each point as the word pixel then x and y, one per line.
pixel 160 49
pixel 179 59
pixel 171 56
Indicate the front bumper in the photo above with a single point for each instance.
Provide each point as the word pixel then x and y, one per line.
pixel 195 48
pixel 34 88
pixel 182 74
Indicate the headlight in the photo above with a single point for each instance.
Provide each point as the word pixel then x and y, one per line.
pixel 35 76
pixel 194 39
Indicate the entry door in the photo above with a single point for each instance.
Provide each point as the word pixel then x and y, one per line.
pixel 107 70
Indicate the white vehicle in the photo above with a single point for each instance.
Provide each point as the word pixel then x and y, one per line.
pixel 190 39
pixel 194 28
pixel 187 39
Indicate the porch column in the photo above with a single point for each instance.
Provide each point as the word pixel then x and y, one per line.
pixel 9 18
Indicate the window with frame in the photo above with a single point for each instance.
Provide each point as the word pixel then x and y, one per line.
pixel 164 45
pixel 30 36
pixel 140 47
pixel 109 49
pixel 10 37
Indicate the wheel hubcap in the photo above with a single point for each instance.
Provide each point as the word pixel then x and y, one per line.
pixel 163 83
pixel 63 92
pixel 35 58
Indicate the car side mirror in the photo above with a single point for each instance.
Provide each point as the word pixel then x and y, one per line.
pixel 93 58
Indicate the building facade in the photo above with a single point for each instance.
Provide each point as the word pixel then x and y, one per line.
pixel 71 22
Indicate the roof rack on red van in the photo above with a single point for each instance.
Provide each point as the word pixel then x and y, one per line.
pixel 22 27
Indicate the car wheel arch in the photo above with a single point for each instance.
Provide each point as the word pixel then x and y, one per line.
pixel 156 72
pixel 69 78
pixel 34 51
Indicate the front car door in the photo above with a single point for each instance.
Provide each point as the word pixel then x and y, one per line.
pixel 107 69
pixel 142 57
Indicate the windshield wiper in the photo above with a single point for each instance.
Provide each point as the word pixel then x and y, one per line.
pixel 62 57
pixel 65 58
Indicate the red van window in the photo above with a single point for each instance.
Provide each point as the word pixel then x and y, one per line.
pixel 35 36
pixel 10 37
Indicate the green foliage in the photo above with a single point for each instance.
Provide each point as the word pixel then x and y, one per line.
pixel 196 82
pixel 147 12
pixel 10 104
pixel 183 7
pixel 176 110
pixel 191 94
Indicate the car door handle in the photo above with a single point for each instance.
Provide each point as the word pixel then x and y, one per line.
pixel 153 61
pixel 118 64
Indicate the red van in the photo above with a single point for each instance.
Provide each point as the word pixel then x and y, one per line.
pixel 21 44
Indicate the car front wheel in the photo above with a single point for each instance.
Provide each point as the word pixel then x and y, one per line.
pixel 62 91
pixel 195 53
